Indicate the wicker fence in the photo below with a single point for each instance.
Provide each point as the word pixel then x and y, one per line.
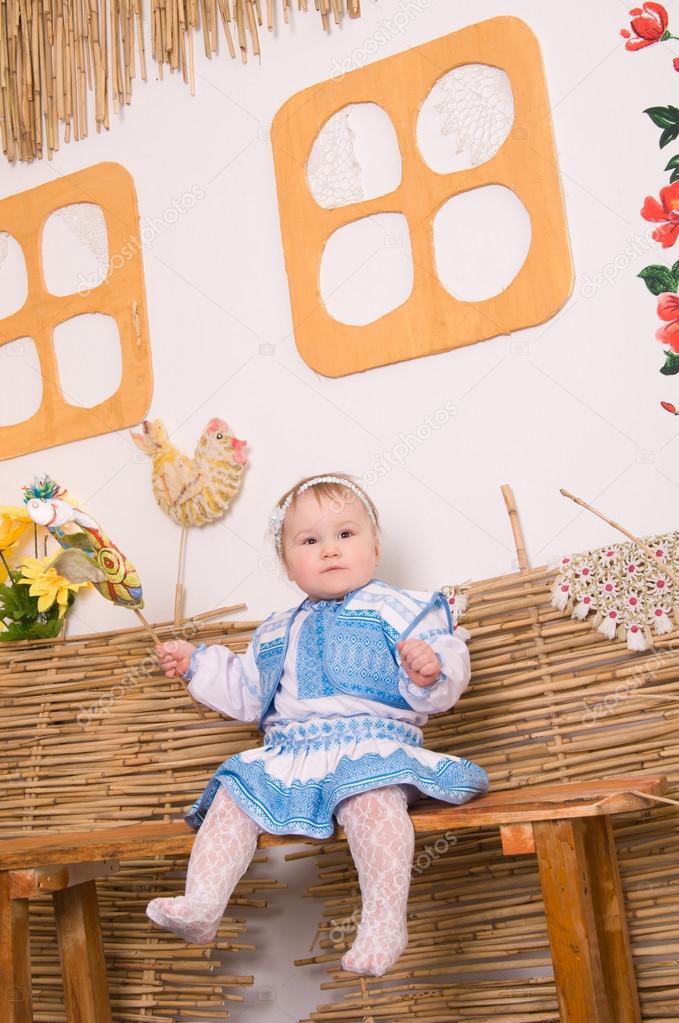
pixel 551 700
pixel 94 736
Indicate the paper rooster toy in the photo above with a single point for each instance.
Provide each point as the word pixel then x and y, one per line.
pixel 88 553
pixel 194 491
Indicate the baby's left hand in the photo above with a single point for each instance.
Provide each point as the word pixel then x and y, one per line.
pixel 419 661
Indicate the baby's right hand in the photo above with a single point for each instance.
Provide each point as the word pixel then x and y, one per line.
pixel 174 656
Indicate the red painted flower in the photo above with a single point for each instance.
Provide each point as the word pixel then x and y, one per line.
pixel 669 407
pixel 668 310
pixel 648 25
pixel 666 214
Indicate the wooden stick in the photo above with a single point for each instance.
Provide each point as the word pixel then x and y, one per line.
pixel 158 642
pixel 179 588
pixel 516 528
pixel 671 572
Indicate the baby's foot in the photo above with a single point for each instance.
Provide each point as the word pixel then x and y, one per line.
pixel 187 918
pixel 377 947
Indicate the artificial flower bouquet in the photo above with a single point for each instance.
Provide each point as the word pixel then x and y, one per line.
pixel 34 597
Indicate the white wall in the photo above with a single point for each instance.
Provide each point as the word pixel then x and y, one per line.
pixel 575 403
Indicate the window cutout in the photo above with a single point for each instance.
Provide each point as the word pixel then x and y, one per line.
pixel 431 320
pixel 75 249
pixel 355 156
pixel 367 268
pixel 20 381
pixel 481 240
pixel 465 118
pixel 108 186
pixel 88 355
pixel 13 276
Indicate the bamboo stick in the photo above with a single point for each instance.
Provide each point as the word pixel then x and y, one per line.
pixel 668 569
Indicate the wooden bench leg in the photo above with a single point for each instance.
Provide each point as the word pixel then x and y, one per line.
pixel 82 954
pixel 16 1003
pixel 609 913
pixel 586 921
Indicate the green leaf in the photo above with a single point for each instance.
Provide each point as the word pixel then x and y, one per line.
pixel 36 630
pixel 17 603
pixel 671 367
pixel 674 162
pixel 669 135
pixel 674 176
pixel 663 117
pixel 658 279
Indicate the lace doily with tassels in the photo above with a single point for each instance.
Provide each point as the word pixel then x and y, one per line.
pixel 624 588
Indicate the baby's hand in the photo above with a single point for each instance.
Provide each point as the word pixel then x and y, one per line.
pixel 174 656
pixel 419 661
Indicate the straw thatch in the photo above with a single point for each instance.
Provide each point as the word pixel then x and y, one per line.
pixel 55 53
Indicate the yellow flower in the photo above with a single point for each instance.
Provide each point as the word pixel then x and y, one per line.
pixel 13 522
pixel 46 583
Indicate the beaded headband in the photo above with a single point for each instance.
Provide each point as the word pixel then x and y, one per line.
pixel 279 513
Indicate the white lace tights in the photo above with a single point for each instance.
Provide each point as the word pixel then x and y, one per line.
pixel 381 840
pixel 221 853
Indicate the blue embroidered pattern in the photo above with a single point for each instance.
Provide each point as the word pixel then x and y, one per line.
pixel 359 655
pixel 423 692
pixel 306 807
pixel 193 663
pixel 312 681
pixel 356 653
pixel 268 660
pixel 322 733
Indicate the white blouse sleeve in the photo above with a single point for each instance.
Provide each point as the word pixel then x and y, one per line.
pixel 226 682
pixel 435 627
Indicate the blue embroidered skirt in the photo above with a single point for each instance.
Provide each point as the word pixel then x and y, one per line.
pixel 292 784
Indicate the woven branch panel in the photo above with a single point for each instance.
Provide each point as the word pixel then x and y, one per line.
pixel 550 700
pixel 94 736
pixel 90 743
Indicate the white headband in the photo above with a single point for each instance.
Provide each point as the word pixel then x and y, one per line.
pixel 280 512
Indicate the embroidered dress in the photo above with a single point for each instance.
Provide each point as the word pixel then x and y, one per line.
pixel 343 716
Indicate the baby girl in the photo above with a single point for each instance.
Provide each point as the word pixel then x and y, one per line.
pixel 340 685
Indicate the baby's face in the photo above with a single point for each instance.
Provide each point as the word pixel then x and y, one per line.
pixel 329 548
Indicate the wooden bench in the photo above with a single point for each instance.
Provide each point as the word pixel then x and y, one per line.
pixel 567 826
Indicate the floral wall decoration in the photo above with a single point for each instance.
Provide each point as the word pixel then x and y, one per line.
pixel 52 56
pixel 649 25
